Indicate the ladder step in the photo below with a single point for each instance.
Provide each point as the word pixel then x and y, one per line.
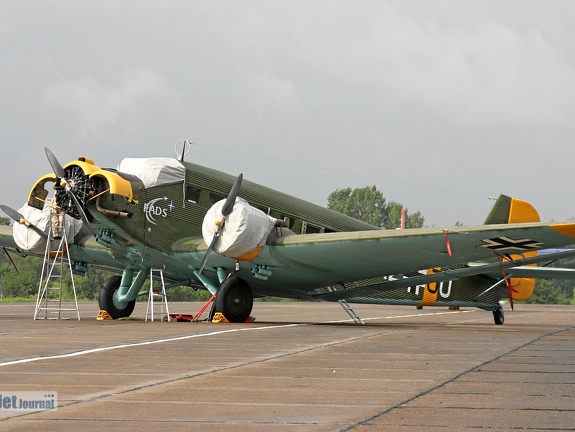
pixel 56 263
pixel 157 293
pixel 355 317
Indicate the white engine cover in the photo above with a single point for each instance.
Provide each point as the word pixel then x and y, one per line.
pixel 245 230
pixel 28 239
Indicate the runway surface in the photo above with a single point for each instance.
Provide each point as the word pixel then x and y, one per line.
pixel 299 367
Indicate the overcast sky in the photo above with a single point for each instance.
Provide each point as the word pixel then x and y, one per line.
pixel 439 104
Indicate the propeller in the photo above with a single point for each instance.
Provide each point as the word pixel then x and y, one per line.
pixel 58 169
pixel 18 217
pixel 508 285
pixel 227 209
pixel 11 260
pixel 73 188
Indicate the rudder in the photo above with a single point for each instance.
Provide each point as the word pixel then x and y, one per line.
pixel 511 210
pixel 508 210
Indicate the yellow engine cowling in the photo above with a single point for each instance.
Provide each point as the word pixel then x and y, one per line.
pixel 114 183
pixel 117 185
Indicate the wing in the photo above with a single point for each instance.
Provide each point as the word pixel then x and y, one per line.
pixel 344 265
pixel 85 250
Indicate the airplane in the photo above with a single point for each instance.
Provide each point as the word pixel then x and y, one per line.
pixel 241 240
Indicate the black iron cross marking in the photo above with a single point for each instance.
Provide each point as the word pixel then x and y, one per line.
pixel 509 244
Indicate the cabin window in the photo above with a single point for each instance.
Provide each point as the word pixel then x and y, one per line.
pixel 309 228
pixel 214 198
pixel 193 194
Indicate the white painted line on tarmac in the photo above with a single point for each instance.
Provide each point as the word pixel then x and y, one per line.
pixel 137 344
pixel 215 333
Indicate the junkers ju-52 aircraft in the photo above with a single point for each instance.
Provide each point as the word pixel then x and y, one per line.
pixel 241 240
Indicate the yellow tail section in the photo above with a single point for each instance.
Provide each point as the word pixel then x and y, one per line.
pixel 513 210
pixel 522 212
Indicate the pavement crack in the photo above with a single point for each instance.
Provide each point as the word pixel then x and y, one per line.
pixel 476 368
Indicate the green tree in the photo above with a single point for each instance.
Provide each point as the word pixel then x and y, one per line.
pixel 4 221
pixel 88 286
pixel 546 293
pixel 566 286
pixel 187 293
pixel 414 220
pixel 22 282
pixel 369 205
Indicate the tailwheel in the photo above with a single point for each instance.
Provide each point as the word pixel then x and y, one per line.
pixel 498 316
pixel 106 299
pixel 234 300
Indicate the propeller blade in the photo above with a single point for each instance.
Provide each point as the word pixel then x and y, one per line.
pixel 79 207
pixel 18 217
pixel 58 169
pixel 11 260
pixel 231 200
pixel 227 209
pixel 510 291
pixel 213 243
pixel 507 282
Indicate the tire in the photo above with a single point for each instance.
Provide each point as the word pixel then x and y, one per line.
pixel 106 299
pixel 234 300
pixel 498 316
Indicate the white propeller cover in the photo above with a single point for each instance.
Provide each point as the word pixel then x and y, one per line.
pixel 30 240
pixel 246 228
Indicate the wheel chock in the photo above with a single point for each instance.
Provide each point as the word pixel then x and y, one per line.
pixel 219 318
pixel 103 315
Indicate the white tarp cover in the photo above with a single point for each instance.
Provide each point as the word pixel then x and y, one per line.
pixel 246 228
pixel 28 239
pixel 154 171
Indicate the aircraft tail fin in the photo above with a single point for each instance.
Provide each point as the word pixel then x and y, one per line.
pixel 511 210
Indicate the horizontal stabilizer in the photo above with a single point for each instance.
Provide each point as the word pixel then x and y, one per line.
pixel 542 272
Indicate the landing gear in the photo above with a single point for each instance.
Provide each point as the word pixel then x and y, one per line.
pixel 234 300
pixel 106 299
pixel 498 316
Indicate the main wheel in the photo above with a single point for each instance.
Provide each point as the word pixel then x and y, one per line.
pixel 498 316
pixel 234 300
pixel 106 299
